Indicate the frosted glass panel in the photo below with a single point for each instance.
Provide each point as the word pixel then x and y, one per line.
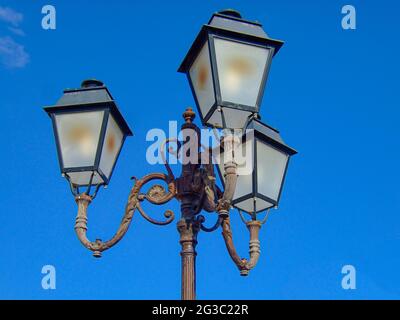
pixel 240 70
pixel 202 80
pixel 245 168
pixel 243 186
pixel 271 165
pixel 83 178
pixel 112 145
pixel 215 120
pixel 78 135
pixel 235 119
pixel 262 205
pixel 248 205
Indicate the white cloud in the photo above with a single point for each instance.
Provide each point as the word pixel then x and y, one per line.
pixel 12 54
pixel 17 31
pixel 10 16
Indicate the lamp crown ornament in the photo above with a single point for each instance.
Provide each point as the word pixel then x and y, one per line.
pixel 231 12
pixel 91 83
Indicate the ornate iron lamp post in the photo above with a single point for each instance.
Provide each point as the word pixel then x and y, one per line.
pixel 90 131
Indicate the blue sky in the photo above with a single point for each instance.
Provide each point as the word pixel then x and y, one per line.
pixel 332 93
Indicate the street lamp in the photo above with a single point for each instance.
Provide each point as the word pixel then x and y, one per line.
pixel 227 67
pixel 90 131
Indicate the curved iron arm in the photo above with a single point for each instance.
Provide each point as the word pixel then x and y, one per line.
pixel 176 154
pixel 156 195
pixel 243 265
pixel 223 207
pixel 201 219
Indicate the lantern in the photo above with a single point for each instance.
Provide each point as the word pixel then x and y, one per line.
pixel 262 159
pixel 227 68
pixel 89 132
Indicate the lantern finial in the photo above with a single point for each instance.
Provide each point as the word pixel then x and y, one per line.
pixel 231 12
pixel 91 83
pixel 189 115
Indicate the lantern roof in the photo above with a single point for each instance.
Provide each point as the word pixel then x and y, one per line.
pixel 270 135
pixel 232 20
pixel 92 91
pixel 92 94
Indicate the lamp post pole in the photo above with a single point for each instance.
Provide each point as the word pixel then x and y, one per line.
pixel 188 231
pixel 188 192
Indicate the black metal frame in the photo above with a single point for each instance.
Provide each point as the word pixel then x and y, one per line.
pixel 265 134
pixel 207 34
pixel 108 108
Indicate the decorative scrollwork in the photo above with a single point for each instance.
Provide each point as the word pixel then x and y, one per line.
pixel 167 214
pixel 197 190
pixel 156 192
pixel 170 150
pixel 243 265
pixel 98 246
pixel 201 219
pixel 156 195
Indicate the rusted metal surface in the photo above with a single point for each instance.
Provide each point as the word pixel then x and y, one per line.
pixel 224 203
pixel 243 264
pixel 188 230
pixel 196 190
pixel 133 203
